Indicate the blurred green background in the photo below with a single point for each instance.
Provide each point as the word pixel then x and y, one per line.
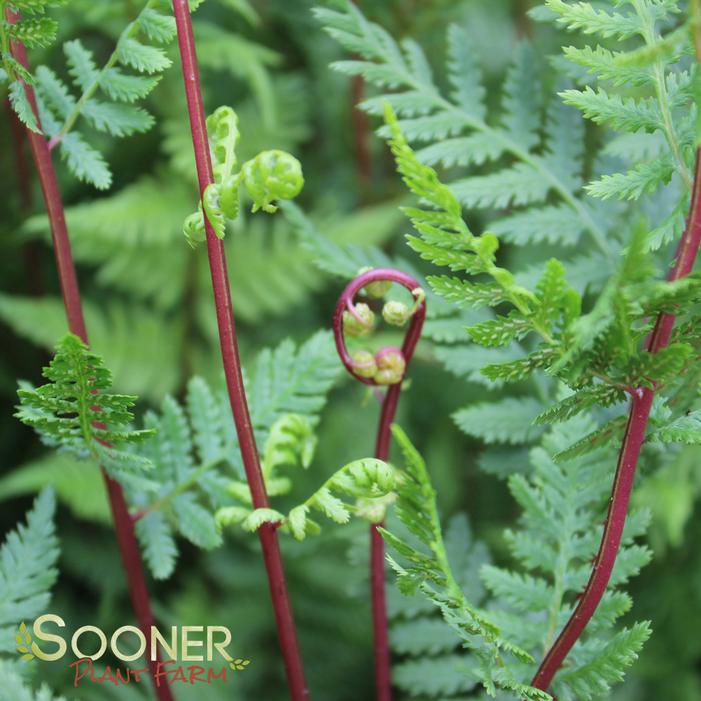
pixel 150 313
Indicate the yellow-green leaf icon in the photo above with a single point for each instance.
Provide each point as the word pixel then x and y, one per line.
pixel 24 642
pixel 239 664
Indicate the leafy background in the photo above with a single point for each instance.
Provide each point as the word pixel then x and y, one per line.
pixel 150 314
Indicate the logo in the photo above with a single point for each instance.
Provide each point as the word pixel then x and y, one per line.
pixel 180 648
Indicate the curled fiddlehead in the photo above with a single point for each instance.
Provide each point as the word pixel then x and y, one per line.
pixel 270 176
pixel 388 367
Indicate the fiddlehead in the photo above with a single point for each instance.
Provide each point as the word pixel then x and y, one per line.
pixel 270 176
pixel 387 366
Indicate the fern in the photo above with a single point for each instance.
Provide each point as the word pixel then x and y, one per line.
pixel 600 355
pixel 270 176
pixel 554 546
pixel 36 29
pixel 455 130
pixel 431 662
pixel 662 105
pixel 76 413
pixel 28 560
pixel 422 564
pixel 194 450
pixel 105 97
pixel 116 330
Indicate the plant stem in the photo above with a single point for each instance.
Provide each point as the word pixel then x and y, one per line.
pixel 380 626
pixel 383 679
pixel 627 462
pixel 124 528
pixel 361 130
pixel 168 498
pixel 232 365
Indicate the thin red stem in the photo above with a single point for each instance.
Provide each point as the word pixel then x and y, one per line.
pixel 124 528
pixel 627 463
pixel 361 129
pixel 31 249
pixel 232 365
pixel 382 656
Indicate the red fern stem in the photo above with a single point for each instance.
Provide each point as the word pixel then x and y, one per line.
pixel 232 364
pixel 382 658
pixel 627 462
pixel 123 525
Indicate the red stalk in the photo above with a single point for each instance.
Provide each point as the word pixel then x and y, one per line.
pixel 361 130
pixel 232 365
pixel 70 291
pixel 627 463
pixel 383 678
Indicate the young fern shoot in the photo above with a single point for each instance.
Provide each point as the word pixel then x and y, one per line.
pixel 388 367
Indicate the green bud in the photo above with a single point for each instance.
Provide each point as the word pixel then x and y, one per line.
pixel 377 289
pixel 362 326
pixel 193 228
pixel 364 364
pixel 270 176
pixel 396 313
pixel 391 366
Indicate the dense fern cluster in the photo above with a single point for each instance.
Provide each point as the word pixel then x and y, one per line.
pixel 543 213
pixel 194 451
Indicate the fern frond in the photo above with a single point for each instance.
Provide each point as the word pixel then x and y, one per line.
pixel 28 560
pixel 368 481
pixel 457 125
pixel 75 411
pixel 422 565
pixel 14 688
pixel 131 72
pixel 554 543
pixel 197 468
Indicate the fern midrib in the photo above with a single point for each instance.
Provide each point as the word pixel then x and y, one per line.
pixel 559 573
pixel 88 93
pixel 167 499
pixel 598 235
pixel 650 37
pixel 5 43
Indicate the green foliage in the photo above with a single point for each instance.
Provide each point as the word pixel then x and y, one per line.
pixel 662 104
pixel 34 29
pixel 197 468
pixel 27 570
pixel 76 412
pixel 15 689
pixel 431 660
pixel 106 96
pixel 369 481
pixel 553 547
pixel 421 564
pixel 270 176
pixel 455 130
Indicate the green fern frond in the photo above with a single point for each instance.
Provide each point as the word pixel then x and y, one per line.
pixel 28 560
pixel 662 105
pixel 197 469
pixel 33 28
pixel 422 565
pixel 457 127
pixel 116 329
pixel 270 176
pixel 76 412
pixel 369 482
pixel 105 96
pixel 554 544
